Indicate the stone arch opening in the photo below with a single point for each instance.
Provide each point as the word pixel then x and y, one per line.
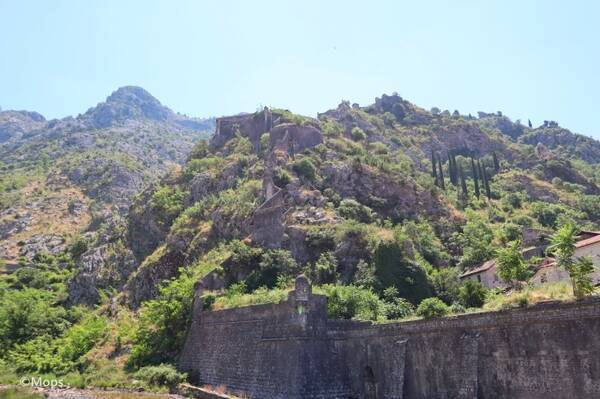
pixel 369 383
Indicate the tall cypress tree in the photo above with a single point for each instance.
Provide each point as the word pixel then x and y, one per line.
pixel 463 183
pixel 441 174
pixel 496 162
pixel 475 178
pixel 449 167
pixel 486 183
pixel 433 166
pixel 452 168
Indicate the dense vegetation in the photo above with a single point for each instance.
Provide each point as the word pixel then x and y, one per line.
pixel 383 216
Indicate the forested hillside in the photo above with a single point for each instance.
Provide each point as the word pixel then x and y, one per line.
pixel 381 206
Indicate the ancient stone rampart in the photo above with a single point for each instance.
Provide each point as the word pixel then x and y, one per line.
pixel 291 350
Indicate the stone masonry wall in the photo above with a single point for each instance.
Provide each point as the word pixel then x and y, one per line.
pixel 291 350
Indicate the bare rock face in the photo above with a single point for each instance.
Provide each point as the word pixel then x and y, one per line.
pixel 555 137
pixel 14 124
pixel 466 139
pixel 42 243
pixel 145 228
pixel 103 267
pixel 391 198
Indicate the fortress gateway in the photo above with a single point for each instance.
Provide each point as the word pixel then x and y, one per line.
pixel 292 351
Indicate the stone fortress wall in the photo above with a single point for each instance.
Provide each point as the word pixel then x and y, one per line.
pixel 291 351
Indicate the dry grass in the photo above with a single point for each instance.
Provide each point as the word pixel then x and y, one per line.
pixel 529 296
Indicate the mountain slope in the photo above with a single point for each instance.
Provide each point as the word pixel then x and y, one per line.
pixel 58 176
pixel 353 187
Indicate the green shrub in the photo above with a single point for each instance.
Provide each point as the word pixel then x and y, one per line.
pixel 78 246
pixel 395 306
pixel 81 337
pixel 305 168
pixel 432 307
pixel 426 242
pixel 30 313
pixel 510 232
pixel 320 238
pixel 351 209
pixel 161 375
pixel 472 294
pixel 273 263
pixel 590 205
pixel 357 134
pixel 281 178
pixel 350 302
pixel 199 150
pixel 326 268
pixel 168 201
pixel 457 308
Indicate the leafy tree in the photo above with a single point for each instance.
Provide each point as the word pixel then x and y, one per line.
pixel 365 274
pixel 446 283
pixel 476 241
pixel 273 263
pixel 510 232
pixel 163 323
pixel 395 306
pixel 590 205
pixel 512 268
pixel 426 242
pixel 30 313
pixel 563 247
pixel 168 202
pixel 432 307
pixel 472 294
pixel 392 267
pixel 326 268
pixel 580 275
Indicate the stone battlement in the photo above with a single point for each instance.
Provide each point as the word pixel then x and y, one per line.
pixel 291 350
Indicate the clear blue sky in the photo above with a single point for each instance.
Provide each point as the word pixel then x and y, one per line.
pixel 530 59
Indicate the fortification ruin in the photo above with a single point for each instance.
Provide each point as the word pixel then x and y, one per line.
pixel 291 350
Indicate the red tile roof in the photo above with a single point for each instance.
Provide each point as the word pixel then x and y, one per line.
pixel 486 266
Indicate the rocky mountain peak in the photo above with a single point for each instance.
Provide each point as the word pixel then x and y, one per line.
pixel 127 103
